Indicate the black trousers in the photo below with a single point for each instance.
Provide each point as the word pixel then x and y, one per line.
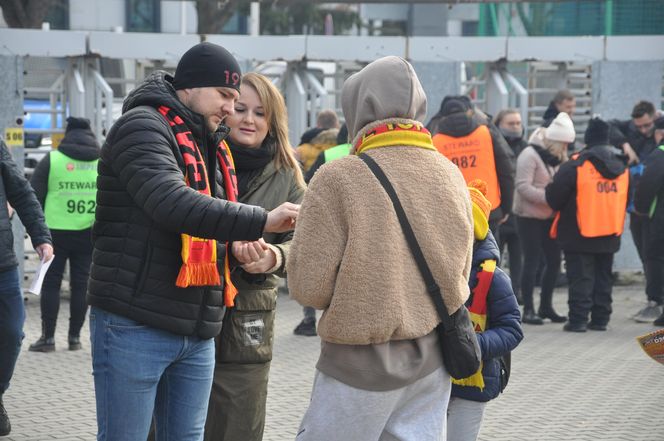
pixel 654 267
pixel 649 242
pixel 535 242
pixel 75 247
pixel 590 287
pixel 509 238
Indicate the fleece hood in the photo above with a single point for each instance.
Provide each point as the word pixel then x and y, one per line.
pixel 387 88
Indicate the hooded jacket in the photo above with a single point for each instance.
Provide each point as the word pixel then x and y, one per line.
pixel 144 204
pixel 15 190
pixel 561 196
pixel 503 332
pixel 367 271
pixel 458 125
pixel 349 256
pixel 79 144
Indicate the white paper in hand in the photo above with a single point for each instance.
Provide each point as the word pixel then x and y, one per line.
pixel 36 285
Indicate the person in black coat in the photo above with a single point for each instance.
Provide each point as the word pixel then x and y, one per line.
pixel 508 121
pixel 457 118
pixel 159 281
pixel 636 136
pixel 75 164
pixel 649 202
pixel 589 255
pixel 15 191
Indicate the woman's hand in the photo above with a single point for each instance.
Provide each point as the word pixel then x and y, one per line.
pixel 265 264
pixel 249 252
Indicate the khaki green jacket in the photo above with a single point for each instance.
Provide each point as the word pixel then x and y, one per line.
pixel 247 331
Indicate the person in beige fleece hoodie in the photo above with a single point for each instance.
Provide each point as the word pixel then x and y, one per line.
pixel 380 373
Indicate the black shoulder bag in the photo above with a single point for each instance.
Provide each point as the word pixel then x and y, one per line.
pixel 458 342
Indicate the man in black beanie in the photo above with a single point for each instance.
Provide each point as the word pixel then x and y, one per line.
pixel 590 193
pixel 159 281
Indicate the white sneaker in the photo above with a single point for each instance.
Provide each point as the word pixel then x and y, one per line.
pixel 650 313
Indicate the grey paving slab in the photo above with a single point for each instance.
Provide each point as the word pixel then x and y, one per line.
pixel 571 387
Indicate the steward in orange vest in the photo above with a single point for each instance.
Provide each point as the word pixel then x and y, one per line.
pixel 478 149
pixel 590 192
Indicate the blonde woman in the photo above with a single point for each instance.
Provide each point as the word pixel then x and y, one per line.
pixel 268 175
pixel 535 167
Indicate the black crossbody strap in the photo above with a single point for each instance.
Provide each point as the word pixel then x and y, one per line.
pixel 432 287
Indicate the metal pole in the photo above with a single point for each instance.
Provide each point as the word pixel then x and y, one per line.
pixel 255 19
pixel 183 18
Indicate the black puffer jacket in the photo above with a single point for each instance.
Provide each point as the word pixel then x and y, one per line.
pixel 649 196
pixel 143 204
pixel 561 196
pixel 16 190
pixel 458 125
pixel 78 143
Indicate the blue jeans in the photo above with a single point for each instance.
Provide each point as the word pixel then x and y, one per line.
pixel 12 316
pixel 141 372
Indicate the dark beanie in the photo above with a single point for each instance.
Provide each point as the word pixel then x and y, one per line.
pixel 597 132
pixel 77 123
pixel 454 104
pixel 207 65
pixel 659 123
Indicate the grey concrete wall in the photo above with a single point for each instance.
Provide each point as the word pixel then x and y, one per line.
pixel 438 80
pixel 11 97
pixel 616 87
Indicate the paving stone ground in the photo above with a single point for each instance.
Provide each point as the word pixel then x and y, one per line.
pixel 571 387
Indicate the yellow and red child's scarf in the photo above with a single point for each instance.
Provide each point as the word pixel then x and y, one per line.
pixel 478 311
pixel 199 256
pixel 395 134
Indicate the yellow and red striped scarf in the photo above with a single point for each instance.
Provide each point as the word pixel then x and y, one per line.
pixel 199 256
pixel 478 312
pixel 391 134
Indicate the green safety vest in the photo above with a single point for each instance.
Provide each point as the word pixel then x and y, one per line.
pixel 336 152
pixel 72 191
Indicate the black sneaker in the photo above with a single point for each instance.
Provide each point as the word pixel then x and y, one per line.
pixel 597 326
pixel 74 343
pixel 575 327
pixel 659 321
pixel 43 345
pixel 306 328
pixel 5 425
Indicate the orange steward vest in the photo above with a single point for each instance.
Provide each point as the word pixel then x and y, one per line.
pixel 473 154
pixel 600 203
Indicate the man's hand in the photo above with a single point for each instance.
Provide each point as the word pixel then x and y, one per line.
pixel 632 157
pixel 267 262
pixel 282 218
pixel 45 251
pixel 504 219
pixel 249 252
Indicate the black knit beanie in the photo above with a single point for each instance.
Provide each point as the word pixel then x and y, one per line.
pixel 77 123
pixel 454 104
pixel 597 132
pixel 207 65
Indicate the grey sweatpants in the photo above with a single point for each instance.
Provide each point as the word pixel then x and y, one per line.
pixel 341 412
pixel 464 419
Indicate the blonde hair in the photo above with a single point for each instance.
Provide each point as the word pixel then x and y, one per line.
pixel 277 118
pixel 557 148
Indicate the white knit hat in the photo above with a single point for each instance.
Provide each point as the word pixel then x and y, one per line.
pixel 561 129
